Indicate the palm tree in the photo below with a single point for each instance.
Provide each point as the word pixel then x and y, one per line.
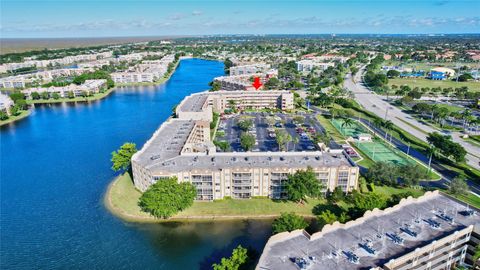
pixel 295 141
pixel 433 110
pixel 465 115
pixel 333 112
pixel 347 122
pixel 432 151
pixel 288 140
pixel 388 125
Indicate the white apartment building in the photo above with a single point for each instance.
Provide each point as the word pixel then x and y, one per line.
pixel 147 71
pixel 5 103
pixel 133 77
pixel 89 87
pixel 249 69
pixel 60 61
pixel 309 65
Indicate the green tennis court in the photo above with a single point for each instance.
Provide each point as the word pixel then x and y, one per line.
pixel 379 151
pixel 376 150
pixel 351 130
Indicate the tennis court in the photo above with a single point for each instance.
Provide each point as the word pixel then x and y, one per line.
pixel 351 130
pixel 376 150
pixel 379 151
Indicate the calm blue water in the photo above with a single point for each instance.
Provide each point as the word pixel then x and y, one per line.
pixel 55 167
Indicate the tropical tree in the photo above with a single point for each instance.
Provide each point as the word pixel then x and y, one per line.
pixel 247 141
pixel 167 197
pixel 122 157
pixel 35 95
pixel 459 186
pixel 465 116
pixel 347 122
pixel 327 217
pixel 238 259
pixel 282 138
pixel 383 173
pixel 410 174
pixel 288 222
pixel 295 141
pixel 303 184
pixel 223 145
pixel 337 195
pixel 3 115
pixel 369 201
pixel 388 125
pixel 245 124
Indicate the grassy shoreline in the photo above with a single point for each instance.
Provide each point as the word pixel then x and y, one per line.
pixel 12 119
pixel 72 100
pixel 121 199
pixel 95 97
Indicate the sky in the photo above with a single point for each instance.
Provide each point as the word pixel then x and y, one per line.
pixel 112 18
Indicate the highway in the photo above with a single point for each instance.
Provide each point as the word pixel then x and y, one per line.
pixel 377 105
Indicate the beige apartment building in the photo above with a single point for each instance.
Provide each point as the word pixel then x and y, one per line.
pixel 182 147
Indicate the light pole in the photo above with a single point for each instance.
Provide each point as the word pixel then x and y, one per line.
pixel 386 113
pixel 408 150
pixel 430 161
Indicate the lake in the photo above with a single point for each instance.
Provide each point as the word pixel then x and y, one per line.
pixel 55 168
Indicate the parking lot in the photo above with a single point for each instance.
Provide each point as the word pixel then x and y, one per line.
pixel 265 126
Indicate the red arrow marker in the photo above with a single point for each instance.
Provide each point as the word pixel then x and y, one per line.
pixel 256 83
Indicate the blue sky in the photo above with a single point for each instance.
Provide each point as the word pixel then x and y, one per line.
pixel 88 18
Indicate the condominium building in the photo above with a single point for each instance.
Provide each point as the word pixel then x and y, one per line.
pixel 133 77
pixel 52 62
pixel 329 57
pixel 5 103
pixel 249 69
pixel 182 147
pixel 308 65
pixel 21 81
pixel 244 82
pixel 88 87
pixel 147 71
pixel 431 232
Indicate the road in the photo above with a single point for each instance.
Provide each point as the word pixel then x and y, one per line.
pixel 447 175
pixel 377 105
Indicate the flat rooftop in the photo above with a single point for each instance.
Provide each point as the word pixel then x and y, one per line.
pixel 193 103
pixel 272 160
pixel 166 142
pixel 332 247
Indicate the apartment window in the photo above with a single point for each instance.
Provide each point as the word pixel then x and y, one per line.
pixel 277 185
pixel 343 180
pixel 204 186
pixel 242 185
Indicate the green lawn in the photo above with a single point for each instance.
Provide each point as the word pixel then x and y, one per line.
pixel 122 199
pixel 75 99
pixel 12 118
pixel 389 191
pixel 331 130
pixel 421 82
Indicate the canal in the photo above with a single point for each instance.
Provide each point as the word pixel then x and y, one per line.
pixel 55 168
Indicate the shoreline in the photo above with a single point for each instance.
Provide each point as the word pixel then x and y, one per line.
pixel 146 218
pixel 99 96
pixel 12 119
